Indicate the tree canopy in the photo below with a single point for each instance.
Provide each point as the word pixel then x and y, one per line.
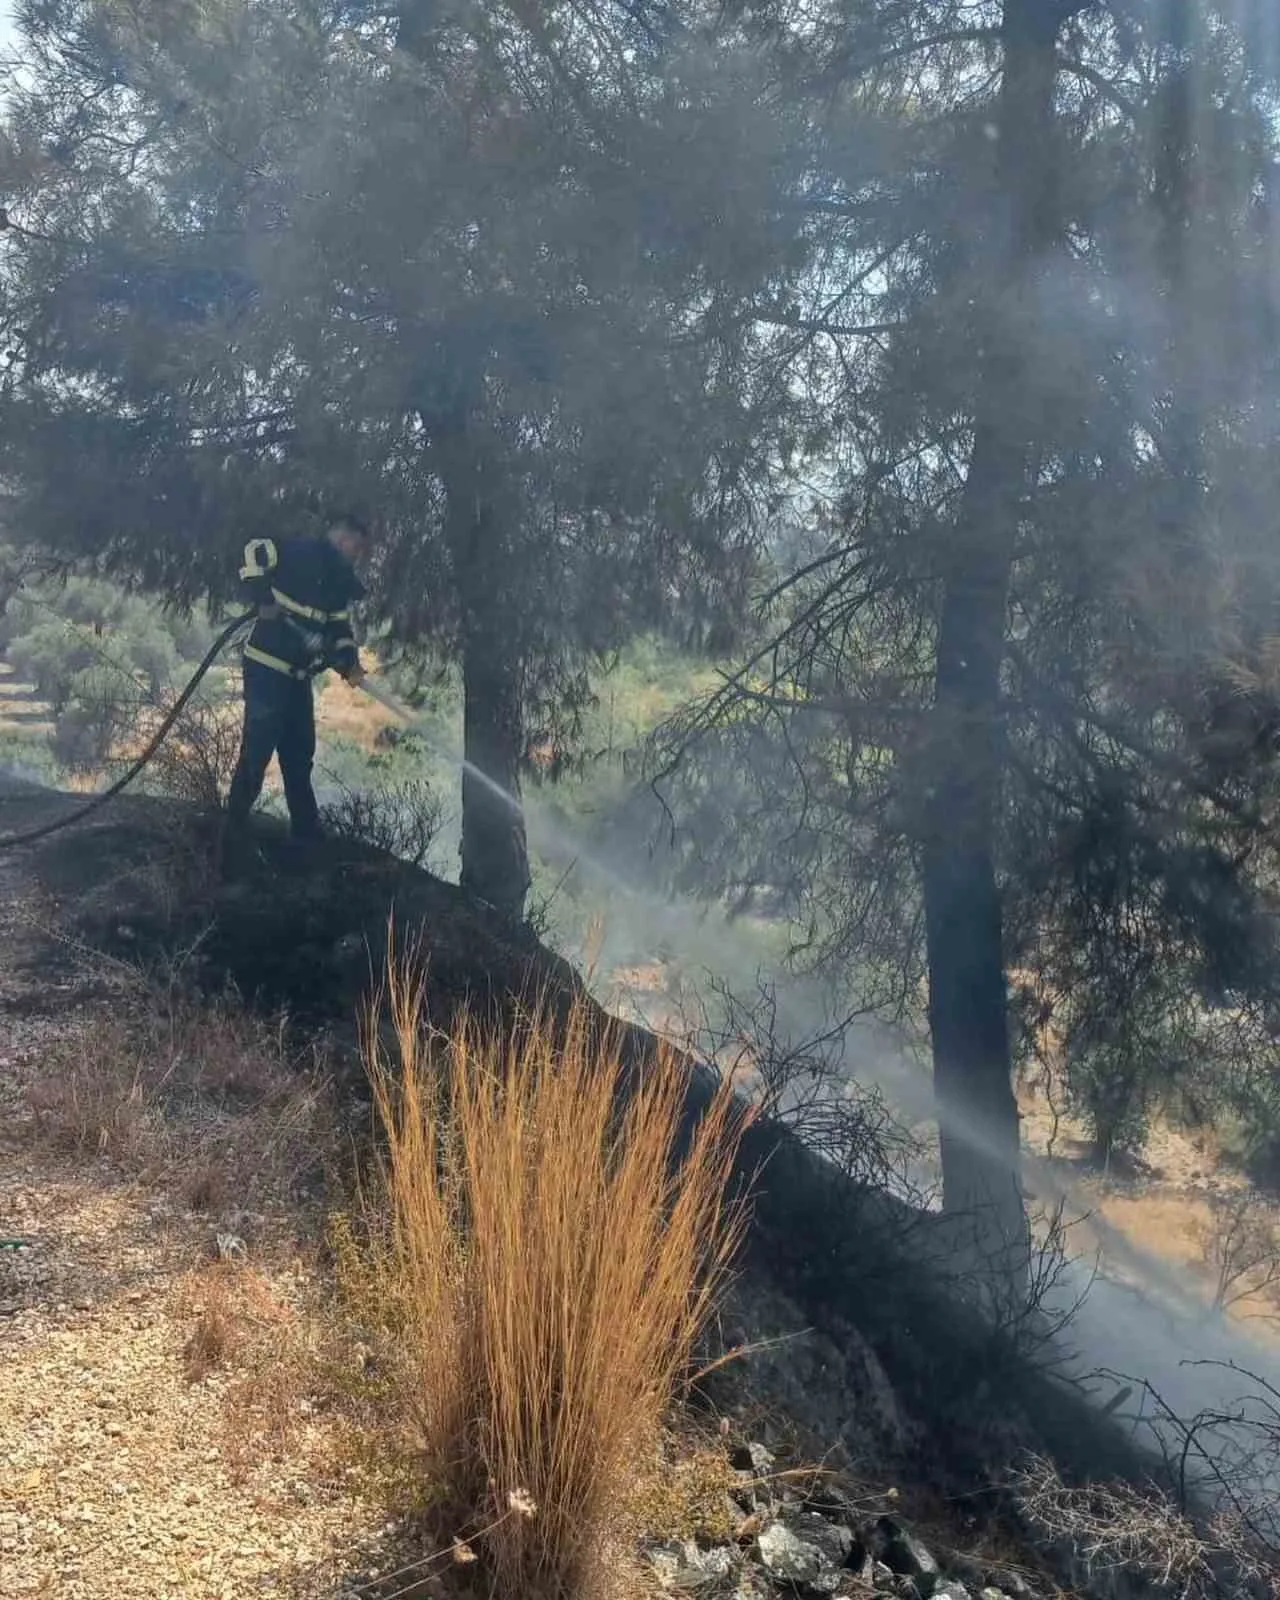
pixel 1015 676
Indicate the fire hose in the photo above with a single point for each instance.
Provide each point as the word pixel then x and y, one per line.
pixel 12 841
pixel 34 835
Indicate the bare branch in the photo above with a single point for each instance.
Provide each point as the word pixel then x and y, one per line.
pixel 1104 87
pixel 847 64
pixel 841 330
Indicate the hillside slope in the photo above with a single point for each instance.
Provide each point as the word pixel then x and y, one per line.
pixel 860 1348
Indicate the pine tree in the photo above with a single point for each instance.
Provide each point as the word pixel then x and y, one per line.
pixel 979 724
pixel 484 273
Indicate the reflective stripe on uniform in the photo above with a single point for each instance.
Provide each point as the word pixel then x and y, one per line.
pixel 311 613
pixel 252 653
pixel 260 558
pixel 288 603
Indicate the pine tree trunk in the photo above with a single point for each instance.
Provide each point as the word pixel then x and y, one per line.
pixel 495 856
pixel 964 924
pixel 494 850
pixel 968 1008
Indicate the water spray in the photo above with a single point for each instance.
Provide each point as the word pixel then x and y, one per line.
pixel 533 816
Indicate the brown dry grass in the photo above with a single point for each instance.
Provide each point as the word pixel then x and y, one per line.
pixel 209 1099
pixel 230 1305
pixel 206 1190
pixel 94 1096
pixel 548 1260
pixel 215 1336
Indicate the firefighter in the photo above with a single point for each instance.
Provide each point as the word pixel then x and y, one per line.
pixel 304 590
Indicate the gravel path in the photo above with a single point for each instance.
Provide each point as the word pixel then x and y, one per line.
pixel 121 1474
pixel 115 1476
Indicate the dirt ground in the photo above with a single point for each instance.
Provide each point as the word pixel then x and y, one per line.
pixel 117 1472
pixel 138 1309
pixel 1178 1205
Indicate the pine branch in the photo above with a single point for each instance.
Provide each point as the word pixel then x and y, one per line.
pixel 839 330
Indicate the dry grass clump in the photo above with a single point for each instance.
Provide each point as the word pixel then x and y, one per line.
pixel 280 1389
pixel 1112 1527
pixel 206 1189
pixel 229 1305
pixel 95 1094
pixel 215 1336
pixel 277 1359
pixel 552 1249
pixel 203 1095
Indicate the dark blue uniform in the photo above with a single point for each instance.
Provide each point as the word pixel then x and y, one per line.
pixel 312 587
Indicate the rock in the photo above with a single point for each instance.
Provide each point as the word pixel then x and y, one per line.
pixel 834 1503
pixel 830 1385
pixel 863 1572
pixel 716 1563
pixel 904 1554
pixel 949 1589
pixel 749 1527
pixel 682 1568
pixel 836 1541
pixel 666 1561
pixel 973 1574
pixel 753 1458
pixel 752 1585
pixel 992 1594
pixel 1013 1583
pixel 791 1559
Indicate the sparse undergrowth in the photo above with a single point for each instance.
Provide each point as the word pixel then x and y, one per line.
pixel 447 1368
pixel 205 1097
pixel 1138 1534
